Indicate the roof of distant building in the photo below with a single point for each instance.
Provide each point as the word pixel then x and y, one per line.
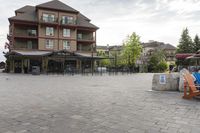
pixel 159 45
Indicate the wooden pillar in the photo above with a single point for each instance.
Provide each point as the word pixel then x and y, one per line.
pixel 12 66
pixel 22 65
pixel 44 64
pixel 28 65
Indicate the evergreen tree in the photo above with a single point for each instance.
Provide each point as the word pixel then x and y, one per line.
pixel 196 43
pixel 185 43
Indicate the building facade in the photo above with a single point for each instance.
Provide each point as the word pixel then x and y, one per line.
pixel 51 35
pixel 150 47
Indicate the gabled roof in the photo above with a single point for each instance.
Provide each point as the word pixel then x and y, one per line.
pixel 57 5
pixel 28 14
pixel 25 9
pixel 168 47
pixel 152 44
pixel 87 19
pixel 83 22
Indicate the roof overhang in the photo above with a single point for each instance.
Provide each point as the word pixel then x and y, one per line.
pixel 29 53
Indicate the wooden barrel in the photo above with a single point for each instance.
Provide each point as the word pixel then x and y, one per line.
pixel 165 82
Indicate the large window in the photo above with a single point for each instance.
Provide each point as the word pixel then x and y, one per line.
pixel 49 31
pixel 49 44
pixel 66 32
pixel 68 20
pixel 66 44
pixel 48 18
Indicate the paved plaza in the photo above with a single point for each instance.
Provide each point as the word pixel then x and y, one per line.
pixel 92 104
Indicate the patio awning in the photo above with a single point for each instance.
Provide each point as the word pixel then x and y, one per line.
pixel 29 53
pixel 183 55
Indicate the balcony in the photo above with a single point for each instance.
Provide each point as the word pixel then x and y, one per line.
pixel 68 23
pixel 26 44
pixel 86 48
pixel 26 34
pixel 49 20
pixel 85 38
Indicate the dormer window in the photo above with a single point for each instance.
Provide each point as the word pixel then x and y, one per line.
pixel 48 18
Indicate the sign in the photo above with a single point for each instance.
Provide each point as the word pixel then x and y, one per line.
pixel 162 79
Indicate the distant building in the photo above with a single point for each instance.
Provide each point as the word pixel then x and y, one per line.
pixel 50 35
pixel 150 47
pixel 109 50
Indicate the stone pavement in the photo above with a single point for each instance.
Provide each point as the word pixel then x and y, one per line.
pixel 98 104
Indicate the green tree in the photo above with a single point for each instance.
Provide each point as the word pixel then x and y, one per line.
pixel 196 43
pixel 131 50
pixel 185 43
pixel 157 62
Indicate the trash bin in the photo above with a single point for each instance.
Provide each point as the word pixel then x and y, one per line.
pixel 165 82
pixel 35 70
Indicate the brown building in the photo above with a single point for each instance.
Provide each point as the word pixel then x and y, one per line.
pixel 150 47
pixel 51 35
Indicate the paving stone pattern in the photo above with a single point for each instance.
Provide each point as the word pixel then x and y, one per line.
pixel 92 104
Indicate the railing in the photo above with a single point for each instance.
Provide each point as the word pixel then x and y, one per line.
pixel 85 38
pixel 49 19
pixel 68 22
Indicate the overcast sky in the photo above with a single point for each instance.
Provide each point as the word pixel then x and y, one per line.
pixel 160 20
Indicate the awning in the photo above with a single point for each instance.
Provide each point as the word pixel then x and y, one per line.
pixel 183 55
pixel 47 53
pixel 30 53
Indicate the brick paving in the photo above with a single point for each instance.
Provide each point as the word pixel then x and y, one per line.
pixel 98 104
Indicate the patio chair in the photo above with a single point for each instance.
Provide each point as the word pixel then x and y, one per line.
pixel 189 82
pixel 197 77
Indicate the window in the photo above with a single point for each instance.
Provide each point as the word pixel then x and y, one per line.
pixel 49 31
pixel 29 43
pixel 66 44
pixel 67 20
pixel 49 44
pixel 48 18
pixel 80 36
pixel 66 32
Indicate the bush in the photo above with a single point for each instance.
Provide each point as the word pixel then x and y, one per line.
pixel 162 66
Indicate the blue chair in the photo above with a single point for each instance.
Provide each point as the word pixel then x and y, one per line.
pixel 197 76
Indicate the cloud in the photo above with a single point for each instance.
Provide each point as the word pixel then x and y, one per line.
pixel 161 20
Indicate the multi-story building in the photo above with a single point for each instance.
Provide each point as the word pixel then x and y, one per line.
pixel 150 47
pixel 52 36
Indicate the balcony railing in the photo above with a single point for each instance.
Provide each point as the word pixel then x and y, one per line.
pixel 68 22
pixel 84 48
pixel 49 19
pixel 84 38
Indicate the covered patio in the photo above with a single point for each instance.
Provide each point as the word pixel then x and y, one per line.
pixel 62 61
